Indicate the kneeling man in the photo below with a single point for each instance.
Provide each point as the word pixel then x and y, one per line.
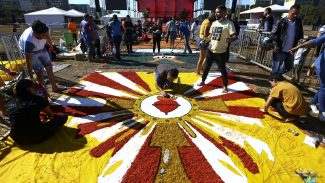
pixel 165 75
pixel 286 99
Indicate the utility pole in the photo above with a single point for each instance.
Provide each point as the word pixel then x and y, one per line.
pixel 233 6
pixel 271 2
pixel 98 10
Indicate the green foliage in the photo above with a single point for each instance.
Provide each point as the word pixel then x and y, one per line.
pixel 8 14
pixel 312 15
pixel 146 13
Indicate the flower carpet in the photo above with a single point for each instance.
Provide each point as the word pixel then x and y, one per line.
pixel 121 130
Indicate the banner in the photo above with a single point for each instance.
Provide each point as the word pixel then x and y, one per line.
pixel 166 8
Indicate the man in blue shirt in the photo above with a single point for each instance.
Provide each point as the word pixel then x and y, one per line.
pixel 184 28
pixel 320 71
pixel 114 32
pixel 269 21
pixel 285 35
pixel 88 36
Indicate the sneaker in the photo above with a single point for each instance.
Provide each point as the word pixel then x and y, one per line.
pixel 321 116
pixel 314 109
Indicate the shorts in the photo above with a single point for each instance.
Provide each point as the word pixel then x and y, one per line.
pixel 200 46
pixel 172 35
pixel 41 60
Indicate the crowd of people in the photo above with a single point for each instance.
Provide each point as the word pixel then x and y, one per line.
pixel 216 33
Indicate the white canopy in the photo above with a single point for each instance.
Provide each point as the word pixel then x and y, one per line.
pixel 53 11
pixel 275 8
pixel 77 13
pixel 254 10
pixel 53 17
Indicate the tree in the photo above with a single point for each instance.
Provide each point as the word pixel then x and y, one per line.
pixel 8 14
pixel 146 13
pixel 312 15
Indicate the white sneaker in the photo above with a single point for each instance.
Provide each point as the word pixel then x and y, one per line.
pixel 321 116
pixel 314 109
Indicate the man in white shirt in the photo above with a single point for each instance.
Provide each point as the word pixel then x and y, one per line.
pixel 32 42
pixel 222 32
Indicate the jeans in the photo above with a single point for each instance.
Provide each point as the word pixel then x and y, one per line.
pixel 220 60
pixel 187 44
pixel 90 47
pixel 117 44
pixel 320 95
pixel 282 62
pixel 41 60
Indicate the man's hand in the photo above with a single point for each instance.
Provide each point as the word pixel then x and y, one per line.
pixel 51 48
pixel 13 73
pixel 266 109
pixel 164 94
pixel 293 50
pixel 276 50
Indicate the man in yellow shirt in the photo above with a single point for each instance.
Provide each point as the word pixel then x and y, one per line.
pixel 286 99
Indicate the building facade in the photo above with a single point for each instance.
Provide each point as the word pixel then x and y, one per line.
pixel 84 8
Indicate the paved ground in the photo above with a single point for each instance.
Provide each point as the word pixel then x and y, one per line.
pixel 254 76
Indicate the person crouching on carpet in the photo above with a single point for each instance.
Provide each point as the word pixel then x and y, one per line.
pixel 165 75
pixel 24 111
pixel 286 99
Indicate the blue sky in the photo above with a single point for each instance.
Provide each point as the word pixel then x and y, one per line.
pixel 87 1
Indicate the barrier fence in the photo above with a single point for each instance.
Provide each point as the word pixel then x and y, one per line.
pixel 15 59
pixel 248 47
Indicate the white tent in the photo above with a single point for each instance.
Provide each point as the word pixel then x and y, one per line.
pixel 77 13
pixel 275 8
pixel 254 10
pixel 55 18
pixel 105 19
pixel 279 8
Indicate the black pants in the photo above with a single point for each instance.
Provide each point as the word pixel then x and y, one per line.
pixel 220 60
pixel 44 132
pixel 128 42
pixel 156 40
pixel 75 36
pixel 98 50
pixel 117 46
pixel 278 106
